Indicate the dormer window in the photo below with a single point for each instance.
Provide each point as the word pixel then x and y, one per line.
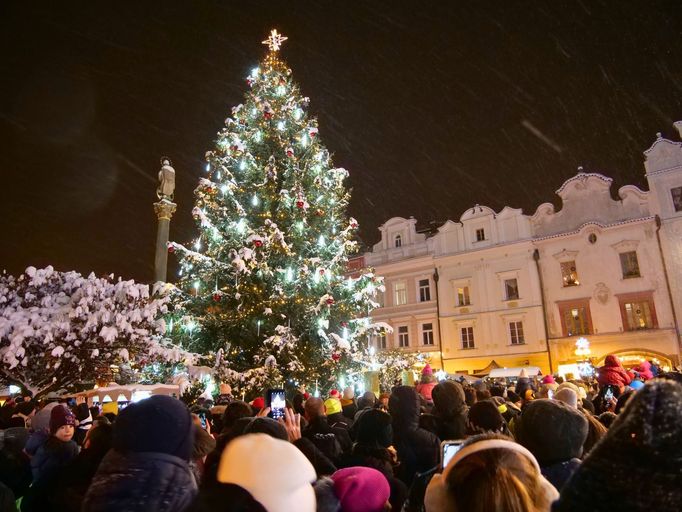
pixel 398 241
pixel 676 194
pixel 480 235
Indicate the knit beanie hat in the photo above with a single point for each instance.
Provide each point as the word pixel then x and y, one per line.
pixel 448 398
pixel 548 379
pixel 160 424
pixel 348 393
pixel 552 430
pixel 427 370
pixel 373 428
pixel 486 416
pixel 267 426
pixel 334 393
pixel 333 406
pixel 567 396
pixel 361 489
pixel 258 403
pixel 60 416
pixel 637 466
pixel 273 471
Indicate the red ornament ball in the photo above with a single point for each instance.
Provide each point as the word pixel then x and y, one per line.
pixel 290 152
pixel 258 243
pixel 171 249
pixel 344 324
pixel 267 115
pixel 300 204
pixel 330 301
pixel 217 296
pixel 321 271
pixel 336 356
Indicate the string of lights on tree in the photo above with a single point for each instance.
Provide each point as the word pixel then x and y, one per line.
pixel 263 286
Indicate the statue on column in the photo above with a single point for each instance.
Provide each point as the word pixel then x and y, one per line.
pixel 166 180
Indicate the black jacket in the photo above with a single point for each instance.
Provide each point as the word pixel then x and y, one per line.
pixel 333 442
pixel 418 449
pixel 141 482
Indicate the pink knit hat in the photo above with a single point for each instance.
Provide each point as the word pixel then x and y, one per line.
pixel 361 489
pixel 427 370
pixel 548 379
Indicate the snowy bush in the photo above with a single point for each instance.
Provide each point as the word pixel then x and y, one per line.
pixel 62 330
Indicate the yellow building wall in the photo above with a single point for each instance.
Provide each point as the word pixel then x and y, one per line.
pixel 475 364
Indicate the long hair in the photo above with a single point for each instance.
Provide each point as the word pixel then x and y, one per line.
pixel 496 479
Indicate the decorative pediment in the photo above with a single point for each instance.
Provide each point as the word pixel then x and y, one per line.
pixel 476 212
pixel 565 255
pixel 626 245
pixel 663 154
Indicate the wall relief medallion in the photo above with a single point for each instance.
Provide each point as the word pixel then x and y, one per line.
pixel 602 293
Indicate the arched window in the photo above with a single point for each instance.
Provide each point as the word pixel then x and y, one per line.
pixel 398 241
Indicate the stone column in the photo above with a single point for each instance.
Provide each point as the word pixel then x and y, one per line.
pixel 164 211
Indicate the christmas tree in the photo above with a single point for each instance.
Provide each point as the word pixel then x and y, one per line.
pixel 264 285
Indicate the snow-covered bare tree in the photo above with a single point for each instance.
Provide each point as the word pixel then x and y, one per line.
pixel 63 330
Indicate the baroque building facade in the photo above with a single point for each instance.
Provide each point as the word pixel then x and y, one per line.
pixel 505 289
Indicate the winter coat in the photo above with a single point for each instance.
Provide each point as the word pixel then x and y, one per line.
pixel 559 473
pixel 644 370
pixel 425 389
pixel 418 449
pixel 349 407
pixel 613 373
pixel 448 416
pixel 141 482
pixel 333 442
pixel 52 455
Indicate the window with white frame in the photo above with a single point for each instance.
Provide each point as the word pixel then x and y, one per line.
pixel 463 296
pixel 400 293
pixel 398 241
pixel 511 289
pixel 381 341
pixel 379 298
pixel 516 333
pixel 467 336
pixel 424 290
pixel 480 234
pixel 403 336
pixel 427 334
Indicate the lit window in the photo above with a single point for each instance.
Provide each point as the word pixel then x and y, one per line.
pixel 629 264
pixel 403 336
pixel 467 335
pixel 400 290
pixel 569 274
pixel 511 289
pixel 480 235
pixel 516 333
pixel 398 241
pixel 424 290
pixel 575 318
pixel 463 297
pixel 427 334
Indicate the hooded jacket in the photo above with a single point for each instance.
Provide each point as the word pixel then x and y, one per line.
pixel 637 466
pixel 613 373
pixel 141 482
pixel 644 370
pixel 418 449
pixel 448 416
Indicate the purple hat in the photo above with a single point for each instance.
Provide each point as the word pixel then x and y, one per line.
pixel 60 416
pixel 361 489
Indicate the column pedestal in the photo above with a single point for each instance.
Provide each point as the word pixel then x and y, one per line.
pixel 164 211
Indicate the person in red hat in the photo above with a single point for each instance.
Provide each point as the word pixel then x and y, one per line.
pixel 427 383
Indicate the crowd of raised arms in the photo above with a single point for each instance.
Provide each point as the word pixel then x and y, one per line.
pixel 609 443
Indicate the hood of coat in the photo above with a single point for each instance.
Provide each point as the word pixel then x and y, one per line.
pixel 612 361
pixel 404 406
pixel 448 399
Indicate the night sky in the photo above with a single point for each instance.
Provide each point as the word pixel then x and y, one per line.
pixel 431 106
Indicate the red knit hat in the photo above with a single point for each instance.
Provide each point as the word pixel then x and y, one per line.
pixel 361 489
pixel 60 416
pixel 334 393
pixel 258 402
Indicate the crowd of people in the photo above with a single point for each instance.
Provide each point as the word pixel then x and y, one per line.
pixel 534 444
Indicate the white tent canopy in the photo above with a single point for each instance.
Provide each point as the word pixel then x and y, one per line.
pixel 531 371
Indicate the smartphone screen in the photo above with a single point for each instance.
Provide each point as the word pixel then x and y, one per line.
pixel 448 449
pixel 608 395
pixel 71 402
pixel 276 400
pixel 202 419
pixel 550 394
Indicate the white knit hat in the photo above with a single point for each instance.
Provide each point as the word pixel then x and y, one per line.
pixel 274 472
pixel 437 496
